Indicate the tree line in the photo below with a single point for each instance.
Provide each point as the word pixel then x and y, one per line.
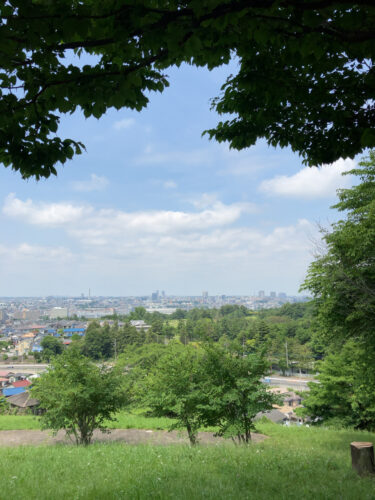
pixel 286 334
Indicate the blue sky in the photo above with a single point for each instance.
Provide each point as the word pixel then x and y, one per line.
pixel 154 205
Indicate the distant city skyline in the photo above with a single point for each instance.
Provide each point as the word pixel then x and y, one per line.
pixel 151 295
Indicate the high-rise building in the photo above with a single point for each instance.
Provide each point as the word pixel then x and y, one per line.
pixel 273 295
pixel 155 295
pixel 261 294
pixel 282 295
pixel 205 295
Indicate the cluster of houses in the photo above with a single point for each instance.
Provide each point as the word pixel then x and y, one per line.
pixel 25 338
pixel 284 413
pixel 14 386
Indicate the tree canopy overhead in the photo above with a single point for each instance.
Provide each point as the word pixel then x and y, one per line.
pixel 305 79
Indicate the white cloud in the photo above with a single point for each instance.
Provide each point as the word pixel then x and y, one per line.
pixel 44 214
pixel 209 228
pixel 165 243
pixel 170 185
pixel 101 226
pixel 310 182
pixel 95 183
pixel 190 247
pixel 124 124
pixel 25 251
pixel 105 226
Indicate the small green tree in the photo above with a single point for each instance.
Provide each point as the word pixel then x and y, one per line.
pixel 235 391
pixel 79 396
pixel 175 388
pixel 51 347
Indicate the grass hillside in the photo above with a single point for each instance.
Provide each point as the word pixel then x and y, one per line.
pixel 294 463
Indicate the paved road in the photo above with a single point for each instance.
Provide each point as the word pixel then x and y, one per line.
pixel 21 367
pixel 285 382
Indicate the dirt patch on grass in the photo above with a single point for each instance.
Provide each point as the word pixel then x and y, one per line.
pixel 126 436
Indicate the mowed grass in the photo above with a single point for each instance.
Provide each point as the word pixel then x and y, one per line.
pixel 18 422
pixel 294 463
pixel 125 420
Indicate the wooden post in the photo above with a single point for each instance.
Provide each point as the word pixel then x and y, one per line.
pixel 362 457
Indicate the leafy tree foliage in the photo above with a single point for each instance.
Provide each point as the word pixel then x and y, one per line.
pixel 98 342
pixel 4 405
pixel 305 77
pixel 345 394
pixel 78 396
pixel 138 313
pixel 342 280
pixel 174 388
pixel 207 386
pixel 234 328
pixel 51 347
pixel 236 393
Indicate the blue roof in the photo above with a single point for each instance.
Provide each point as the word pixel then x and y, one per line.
pixel 73 330
pixel 51 330
pixel 12 391
pixel 37 348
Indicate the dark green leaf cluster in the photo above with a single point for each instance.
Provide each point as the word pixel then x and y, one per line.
pixel 305 79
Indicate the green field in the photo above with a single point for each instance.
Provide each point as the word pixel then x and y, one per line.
pixel 125 420
pixel 294 463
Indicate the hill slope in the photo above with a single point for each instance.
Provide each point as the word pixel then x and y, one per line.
pixel 295 463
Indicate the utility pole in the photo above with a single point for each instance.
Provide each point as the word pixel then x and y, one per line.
pixel 286 354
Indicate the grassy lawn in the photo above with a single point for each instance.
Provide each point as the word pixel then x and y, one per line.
pixel 295 463
pixel 125 420
pixel 18 422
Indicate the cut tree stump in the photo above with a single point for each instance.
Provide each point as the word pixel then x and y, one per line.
pixel 362 457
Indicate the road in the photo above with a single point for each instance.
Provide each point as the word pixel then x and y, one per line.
pixel 22 367
pixel 285 382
